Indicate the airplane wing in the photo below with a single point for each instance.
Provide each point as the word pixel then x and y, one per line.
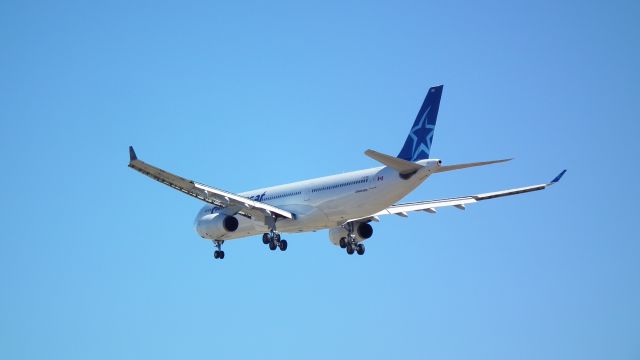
pixel 235 203
pixel 459 202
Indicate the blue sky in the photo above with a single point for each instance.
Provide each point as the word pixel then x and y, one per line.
pixel 100 262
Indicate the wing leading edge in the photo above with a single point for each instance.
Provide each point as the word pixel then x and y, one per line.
pixel 208 194
pixel 460 202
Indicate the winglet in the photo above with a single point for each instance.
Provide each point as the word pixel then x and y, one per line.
pixel 132 154
pixel 557 178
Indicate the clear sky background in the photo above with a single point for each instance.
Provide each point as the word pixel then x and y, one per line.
pixel 100 262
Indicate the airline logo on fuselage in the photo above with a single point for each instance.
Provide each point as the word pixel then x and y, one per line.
pixel 258 197
pixel 252 197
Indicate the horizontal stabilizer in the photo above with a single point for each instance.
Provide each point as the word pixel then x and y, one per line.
pixel 468 165
pixel 402 166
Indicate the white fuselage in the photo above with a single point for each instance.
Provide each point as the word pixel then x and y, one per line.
pixel 320 203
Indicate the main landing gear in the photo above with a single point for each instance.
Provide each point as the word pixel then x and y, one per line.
pixel 350 242
pixel 352 246
pixel 274 241
pixel 218 254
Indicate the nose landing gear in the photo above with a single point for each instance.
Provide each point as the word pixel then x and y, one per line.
pixel 218 254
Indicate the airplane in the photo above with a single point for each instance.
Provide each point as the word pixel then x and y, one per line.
pixel 345 204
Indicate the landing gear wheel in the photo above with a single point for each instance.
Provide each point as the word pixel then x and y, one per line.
pixel 273 245
pixel 283 245
pixel 265 238
pixel 360 249
pixel 349 249
pixel 276 237
pixel 343 243
pixel 218 254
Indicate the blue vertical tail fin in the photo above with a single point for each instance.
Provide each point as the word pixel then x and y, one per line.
pixel 418 143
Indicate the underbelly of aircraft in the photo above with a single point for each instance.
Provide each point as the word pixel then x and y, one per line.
pixel 325 214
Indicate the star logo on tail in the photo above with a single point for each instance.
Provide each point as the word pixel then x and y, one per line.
pixel 422 135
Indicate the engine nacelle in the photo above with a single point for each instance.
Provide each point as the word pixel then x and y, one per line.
pixel 335 234
pixel 217 225
pixel 363 231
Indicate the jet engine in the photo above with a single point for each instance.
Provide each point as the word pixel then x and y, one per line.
pixel 362 231
pixel 217 225
pixel 229 223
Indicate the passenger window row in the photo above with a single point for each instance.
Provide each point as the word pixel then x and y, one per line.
pixel 330 187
